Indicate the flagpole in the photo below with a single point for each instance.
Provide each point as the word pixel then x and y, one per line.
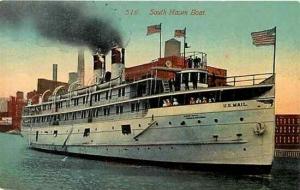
pixel 160 41
pixel 184 45
pixel 274 53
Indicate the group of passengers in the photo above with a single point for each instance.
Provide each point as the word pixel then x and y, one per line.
pixel 192 100
pixel 194 62
pixel 202 100
pixel 168 102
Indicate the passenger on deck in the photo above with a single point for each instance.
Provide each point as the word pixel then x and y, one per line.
pixel 197 62
pixel 175 103
pixel 192 100
pixel 168 102
pixel 164 103
pixel 204 100
pixel 190 62
pixel 186 82
pixel 198 101
pixel 171 83
pixel 209 100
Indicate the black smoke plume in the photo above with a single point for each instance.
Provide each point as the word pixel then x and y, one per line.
pixel 66 22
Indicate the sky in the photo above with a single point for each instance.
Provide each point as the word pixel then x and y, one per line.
pixel 223 32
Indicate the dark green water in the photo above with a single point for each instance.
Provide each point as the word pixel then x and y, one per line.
pixel 22 169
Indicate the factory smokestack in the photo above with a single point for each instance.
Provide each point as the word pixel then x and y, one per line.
pixel 118 63
pixel 80 67
pixel 54 72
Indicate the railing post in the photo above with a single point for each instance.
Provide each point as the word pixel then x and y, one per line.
pixel 234 81
pixel 253 79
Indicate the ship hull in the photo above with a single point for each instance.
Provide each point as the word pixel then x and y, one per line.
pixel 214 136
pixel 221 168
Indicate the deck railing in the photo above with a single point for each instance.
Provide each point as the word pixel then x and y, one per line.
pixel 244 80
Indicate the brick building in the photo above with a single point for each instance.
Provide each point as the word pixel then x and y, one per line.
pixel 42 86
pixel 287 132
pixel 11 119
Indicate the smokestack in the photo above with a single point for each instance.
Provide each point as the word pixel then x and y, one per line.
pixel 54 72
pixel 72 77
pixel 118 63
pixel 80 68
pixel 99 67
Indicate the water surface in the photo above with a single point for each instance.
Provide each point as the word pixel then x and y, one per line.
pixel 22 169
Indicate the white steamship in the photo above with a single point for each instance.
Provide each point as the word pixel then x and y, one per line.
pixel 173 116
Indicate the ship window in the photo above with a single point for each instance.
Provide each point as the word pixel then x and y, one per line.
pixel 119 92
pixel 241 119
pixel 216 120
pixel 106 95
pixel 117 109
pixel 126 129
pixel 132 107
pixel 86 132
pixel 121 109
pixel 55 133
pixel 106 111
pixel 123 92
pixel 99 112
pixel 137 106
pixel 36 136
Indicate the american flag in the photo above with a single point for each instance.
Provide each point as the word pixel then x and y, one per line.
pixel 179 33
pixel 264 38
pixel 153 29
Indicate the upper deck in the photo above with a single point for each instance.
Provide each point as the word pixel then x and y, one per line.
pixel 150 90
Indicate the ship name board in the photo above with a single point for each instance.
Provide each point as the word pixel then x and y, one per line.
pixel 237 104
pixel 193 116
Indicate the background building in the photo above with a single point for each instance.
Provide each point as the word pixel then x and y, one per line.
pixel 11 118
pixel 287 135
pixel 42 86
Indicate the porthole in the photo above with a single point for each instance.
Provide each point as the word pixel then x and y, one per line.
pixel 216 120
pixel 244 149
pixel 241 119
pixel 171 147
pixel 170 123
pixel 139 125
pixel 199 121
pixel 112 127
pixel 182 123
pixel 156 124
pixel 96 129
